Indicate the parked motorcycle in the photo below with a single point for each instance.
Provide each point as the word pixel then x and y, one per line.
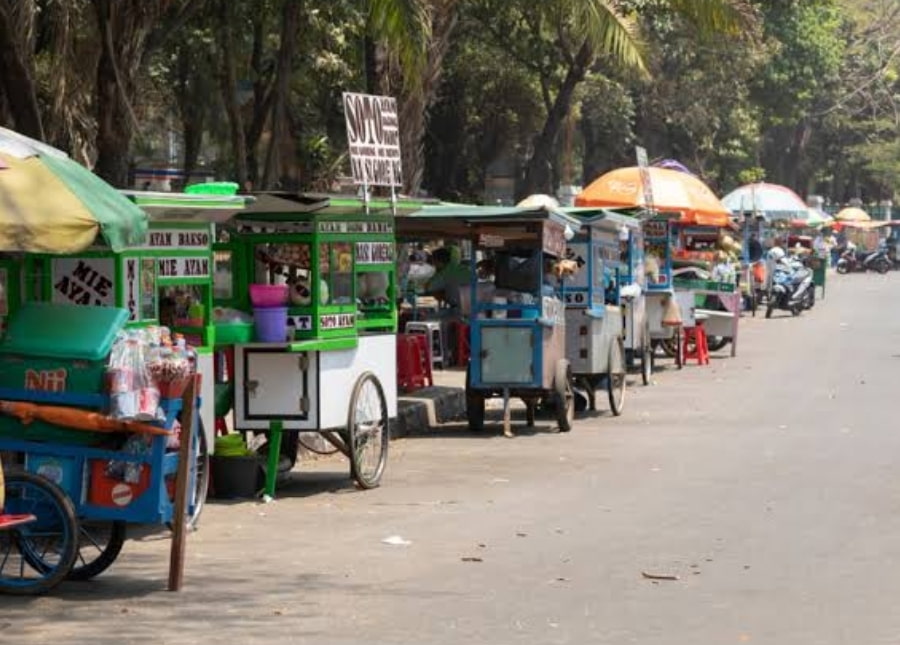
pixel 792 288
pixel 851 261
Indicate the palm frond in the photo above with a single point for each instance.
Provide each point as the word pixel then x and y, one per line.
pixel 608 31
pixel 716 16
pixel 405 28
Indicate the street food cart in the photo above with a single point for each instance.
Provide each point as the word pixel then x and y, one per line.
pixel 319 275
pixel 517 321
pixel 595 331
pixel 658 250
pixel 66 319
pixel 633 298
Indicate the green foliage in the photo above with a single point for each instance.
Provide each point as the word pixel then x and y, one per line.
pixel 800 92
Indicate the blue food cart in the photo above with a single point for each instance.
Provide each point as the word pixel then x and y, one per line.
pixel 517 319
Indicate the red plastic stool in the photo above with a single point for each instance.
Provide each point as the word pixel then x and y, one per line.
pixel 461 333
pixel 695 345
pixel 413 362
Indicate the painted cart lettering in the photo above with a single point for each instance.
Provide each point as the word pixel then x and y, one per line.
pixel 183 267
pixel 336 321
pixel 374 252
pixel 46 380
pixel 85 281
pixel 177 239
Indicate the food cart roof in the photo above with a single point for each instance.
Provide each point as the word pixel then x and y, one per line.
pixel 186 207
pixel 462 221
pixel 592 216
pixel 286 206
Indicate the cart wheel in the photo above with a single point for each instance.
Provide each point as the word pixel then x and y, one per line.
pixel 50 539
pixel 368 428
pixel 102 541
pixel 201 482
pixel 615 378
pixel 99 544
pixel 475 405
pixel 564 396
pixel 201 478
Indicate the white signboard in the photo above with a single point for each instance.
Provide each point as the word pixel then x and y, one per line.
pixel 373 136
pixel 177 238
pixel 84 281
pixel 374 252
pixel 183 267
pixel 644 164
pixel 132 287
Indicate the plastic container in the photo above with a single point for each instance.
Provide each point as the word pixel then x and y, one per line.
pixel 234 333
pixel 235 477
pixel 269 295
pixel 271 324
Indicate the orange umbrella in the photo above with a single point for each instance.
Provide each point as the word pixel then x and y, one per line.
pixel 673 191
pixel 852 214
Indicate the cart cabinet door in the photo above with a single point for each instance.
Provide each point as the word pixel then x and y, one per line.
pixel 277 386
pixel 507 355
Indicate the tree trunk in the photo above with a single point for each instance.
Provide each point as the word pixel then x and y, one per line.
pixel 538 177
pixel 286 53
pixel 123 28
pixel 17 81
pixel 418 100
pixel 229 97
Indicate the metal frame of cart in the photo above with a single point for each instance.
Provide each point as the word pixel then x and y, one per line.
pixel 517 348
pixel 336 374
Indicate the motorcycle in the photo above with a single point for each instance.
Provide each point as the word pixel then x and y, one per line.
pixel 792 288
pixel 851 261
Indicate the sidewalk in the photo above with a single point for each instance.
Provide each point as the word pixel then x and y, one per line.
pixel 428 408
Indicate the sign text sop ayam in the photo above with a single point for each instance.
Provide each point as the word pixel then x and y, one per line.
pixel 373 137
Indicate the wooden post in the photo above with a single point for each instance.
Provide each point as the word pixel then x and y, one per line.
pixel 182 489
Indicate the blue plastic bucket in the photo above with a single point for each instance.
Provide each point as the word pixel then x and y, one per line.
pixel 271 324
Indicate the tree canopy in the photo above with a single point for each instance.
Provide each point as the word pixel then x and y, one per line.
pixel 497 98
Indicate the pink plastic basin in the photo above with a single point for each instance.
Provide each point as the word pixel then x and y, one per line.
pixel 268 295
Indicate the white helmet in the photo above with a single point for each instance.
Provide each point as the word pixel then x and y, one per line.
pixel 776 253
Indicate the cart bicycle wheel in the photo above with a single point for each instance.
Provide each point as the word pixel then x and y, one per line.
pixel 615 378
pixel 368 429
pixel 50 539
pixel 564 396
pixel 99 544
pixel 201 471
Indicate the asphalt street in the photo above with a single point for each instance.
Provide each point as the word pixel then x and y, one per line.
pixel 760 494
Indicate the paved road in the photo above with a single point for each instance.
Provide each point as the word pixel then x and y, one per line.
pixel 766 483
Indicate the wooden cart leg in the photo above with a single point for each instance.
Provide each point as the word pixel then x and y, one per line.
pixel 507 422
pixel 275 430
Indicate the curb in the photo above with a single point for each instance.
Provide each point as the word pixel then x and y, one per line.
pixel 427 408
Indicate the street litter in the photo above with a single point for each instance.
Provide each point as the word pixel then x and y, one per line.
pixel 659 576
pixel 396 540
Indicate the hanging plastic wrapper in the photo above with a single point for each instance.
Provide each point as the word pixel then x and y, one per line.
pixel 671 313
pixel 132 393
